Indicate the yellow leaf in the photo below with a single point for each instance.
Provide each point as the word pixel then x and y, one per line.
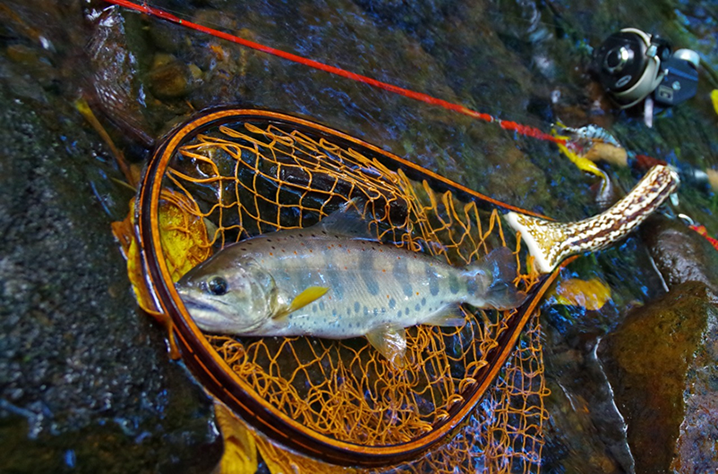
pixel 714 99
pixel 183 233
pixel 125 235
pixel 591 294
pixel 240 449
pixel 241 444
pixel 280 460
pixel 184 243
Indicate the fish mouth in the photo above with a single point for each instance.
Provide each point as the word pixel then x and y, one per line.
pixel 191 304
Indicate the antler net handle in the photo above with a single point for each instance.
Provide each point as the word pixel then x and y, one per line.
pixel 551 242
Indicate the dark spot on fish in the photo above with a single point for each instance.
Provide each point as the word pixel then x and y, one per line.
pixel 406 310
pixel 274 248
pixel 269 240
pixel 372 285
pixel 454 284
pixel 392 303
pixel 423 302
pixel 313 235
pixel 472 286
pixel 300 235
pixel 321 305
pixel 398 314
pixel 417 308
pixel 349 311
pixel 356 307
pixel 376 311
pixel 433 280
pixel 314 308
pixel 244 249
pixel 366 310
pixel 400 272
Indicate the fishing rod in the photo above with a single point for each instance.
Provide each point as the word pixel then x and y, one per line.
pixel 509 125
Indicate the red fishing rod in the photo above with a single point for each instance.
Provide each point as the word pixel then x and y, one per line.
pixel 521 129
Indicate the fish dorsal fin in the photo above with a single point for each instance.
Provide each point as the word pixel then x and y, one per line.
pixel 304 298
pixel 347 222
pixel 390 341
pixel 446 317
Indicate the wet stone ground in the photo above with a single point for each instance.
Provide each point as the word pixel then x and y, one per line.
pixel 85 381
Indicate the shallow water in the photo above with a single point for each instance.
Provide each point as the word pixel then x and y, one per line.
pixel 518 60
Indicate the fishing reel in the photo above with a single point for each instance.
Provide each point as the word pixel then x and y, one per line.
pixel 634 66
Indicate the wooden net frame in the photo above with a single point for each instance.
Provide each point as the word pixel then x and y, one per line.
pixel 242 173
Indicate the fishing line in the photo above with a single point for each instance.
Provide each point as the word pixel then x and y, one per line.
pixel 525 130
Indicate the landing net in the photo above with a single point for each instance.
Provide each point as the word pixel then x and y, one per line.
pixel 252 176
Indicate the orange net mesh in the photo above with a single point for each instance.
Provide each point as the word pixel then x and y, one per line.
pixel 250 178
pixel 504 434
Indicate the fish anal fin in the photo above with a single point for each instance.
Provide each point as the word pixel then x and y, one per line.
pixel 304 298
pixel 447 317
pixel 390 341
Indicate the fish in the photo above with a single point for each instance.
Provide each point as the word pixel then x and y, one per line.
pixel 334 280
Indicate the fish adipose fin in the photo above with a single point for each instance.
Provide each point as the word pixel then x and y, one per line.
pixel 347 222
pixel 304 298
pixel 390 341
pixel 496 274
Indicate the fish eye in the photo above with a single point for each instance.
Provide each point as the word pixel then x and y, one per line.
pixel 217 286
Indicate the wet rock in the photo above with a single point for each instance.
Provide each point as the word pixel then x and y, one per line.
pixel 680 253
pixel 170 78
pixel 661 364
pixel 85 381
pixel 116 53
pixel 696 446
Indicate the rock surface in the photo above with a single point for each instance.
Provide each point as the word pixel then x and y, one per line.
pixel 85 381
pixel 661 365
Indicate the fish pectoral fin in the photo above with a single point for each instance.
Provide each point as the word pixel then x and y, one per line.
pixel 448 317
pixel 390 341
pixel 304 298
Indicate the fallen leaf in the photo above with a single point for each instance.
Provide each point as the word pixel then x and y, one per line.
pixel 591 294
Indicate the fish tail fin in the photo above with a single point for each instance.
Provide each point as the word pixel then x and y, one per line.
pixel 494 278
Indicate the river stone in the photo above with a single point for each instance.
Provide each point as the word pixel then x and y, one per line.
pixel 680 253
pixel 86 384
pixel 661 364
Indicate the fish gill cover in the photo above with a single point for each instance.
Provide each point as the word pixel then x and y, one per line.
pixel 248 172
